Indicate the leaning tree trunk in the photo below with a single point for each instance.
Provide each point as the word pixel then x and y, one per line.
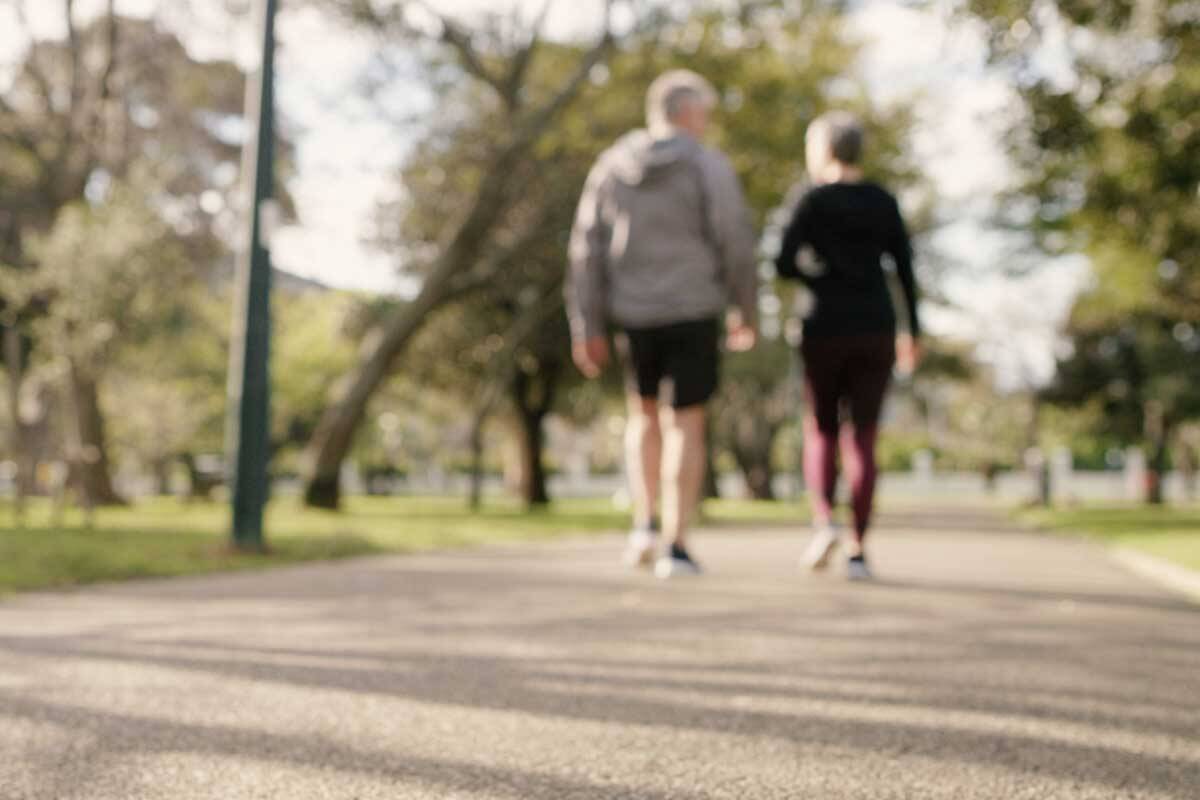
pixel 462 256
pixel 92 471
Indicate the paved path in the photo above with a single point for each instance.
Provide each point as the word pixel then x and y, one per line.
pixel 989 664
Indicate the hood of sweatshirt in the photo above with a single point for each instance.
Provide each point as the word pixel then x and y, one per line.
pixel 638 157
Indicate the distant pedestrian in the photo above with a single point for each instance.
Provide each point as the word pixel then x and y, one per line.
pixel 842 232
pixel 662 247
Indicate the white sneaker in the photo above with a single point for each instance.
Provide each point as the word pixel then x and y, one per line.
pixel 640 549
pixel 857 570
pixel 670 566
pixel 824 542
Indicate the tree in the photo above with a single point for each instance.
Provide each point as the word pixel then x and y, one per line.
pixel 1109 158
pixel 468 253
pixel 1141 373
pixel 118 102
pixel 135 264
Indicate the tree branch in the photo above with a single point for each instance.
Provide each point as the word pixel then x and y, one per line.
pixel 511 88
pixel 515 337
pixel 471 61
pixel 17 135
pixel 541 118
pixel 31 65
pixel 96 119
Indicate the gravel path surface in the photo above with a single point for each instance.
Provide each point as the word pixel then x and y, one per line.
pixel 987 663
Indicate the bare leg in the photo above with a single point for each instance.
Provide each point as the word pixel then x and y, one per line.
pixel 682 469
pixel 643 457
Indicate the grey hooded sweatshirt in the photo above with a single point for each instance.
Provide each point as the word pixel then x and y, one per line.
pixel 662 235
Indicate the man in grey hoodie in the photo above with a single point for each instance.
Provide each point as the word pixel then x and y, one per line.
pixel 663 247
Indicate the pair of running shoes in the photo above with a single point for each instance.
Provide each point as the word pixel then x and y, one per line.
pixel 642 550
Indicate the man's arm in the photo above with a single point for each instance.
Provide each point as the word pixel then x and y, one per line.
pixel 736 240
pixel 585 286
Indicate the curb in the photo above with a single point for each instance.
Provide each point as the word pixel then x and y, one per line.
pixel 1162 572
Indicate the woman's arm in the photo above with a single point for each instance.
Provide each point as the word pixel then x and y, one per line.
pixel 794 238
pixel 900 248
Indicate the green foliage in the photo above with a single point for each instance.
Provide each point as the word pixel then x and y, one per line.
pixel 310 352
pixel 1121 365
pixel 897 447
pixel 115 272
pixel 1110 161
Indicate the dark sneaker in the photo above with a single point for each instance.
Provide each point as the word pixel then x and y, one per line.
pixel 856 569
pixel 677 564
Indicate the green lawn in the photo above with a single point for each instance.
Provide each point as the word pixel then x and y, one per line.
pixel 167 537
pixel 1170 533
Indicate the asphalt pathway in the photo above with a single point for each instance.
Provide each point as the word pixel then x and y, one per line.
pixel 987 663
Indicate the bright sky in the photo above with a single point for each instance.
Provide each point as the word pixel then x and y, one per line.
pixel 347 152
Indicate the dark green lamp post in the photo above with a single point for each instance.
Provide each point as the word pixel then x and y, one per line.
pixel 249 400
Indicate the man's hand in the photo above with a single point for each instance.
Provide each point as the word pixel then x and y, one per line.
pixel 591 355
pixel 908 354
pixel 740 337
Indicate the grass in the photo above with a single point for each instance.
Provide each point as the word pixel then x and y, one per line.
pixel 165 537
pixel 1172 533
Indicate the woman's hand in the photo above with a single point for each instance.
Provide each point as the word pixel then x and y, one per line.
pixel 908 354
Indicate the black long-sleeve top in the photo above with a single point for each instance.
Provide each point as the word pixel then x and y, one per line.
pixel 835 245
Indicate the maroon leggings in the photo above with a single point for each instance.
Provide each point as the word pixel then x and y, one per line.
pixel 845 380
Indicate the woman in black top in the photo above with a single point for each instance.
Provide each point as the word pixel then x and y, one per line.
pixel 843 231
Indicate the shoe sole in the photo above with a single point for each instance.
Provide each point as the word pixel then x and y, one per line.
pixel 638 559
pixel 666 572
pixel 821 562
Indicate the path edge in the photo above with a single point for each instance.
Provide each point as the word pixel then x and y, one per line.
pixel 1172 576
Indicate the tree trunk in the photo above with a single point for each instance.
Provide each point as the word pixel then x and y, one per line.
pixel 711 489
pixel 91 456
pixel 476 496
pixel 162 476
pixel 1185 463
pixel 13 359
pixel 755 464
pixel 752 449
pixel 533 397
pixel 1158 439
pixel 532 486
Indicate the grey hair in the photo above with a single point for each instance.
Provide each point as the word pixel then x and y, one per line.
pixel 844 133
pixel 671 93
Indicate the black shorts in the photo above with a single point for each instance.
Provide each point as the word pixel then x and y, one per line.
pixel 679 362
